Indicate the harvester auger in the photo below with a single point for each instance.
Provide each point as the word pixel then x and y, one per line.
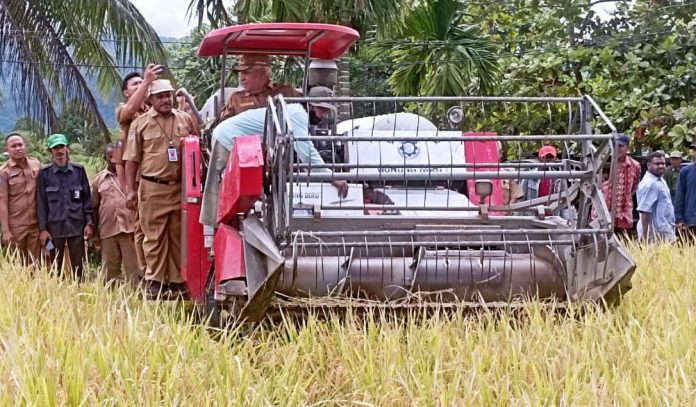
pixel 425 221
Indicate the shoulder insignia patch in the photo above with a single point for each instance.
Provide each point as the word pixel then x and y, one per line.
pixel 131 135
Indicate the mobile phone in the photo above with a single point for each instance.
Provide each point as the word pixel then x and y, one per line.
pixel 49 245
pixel 161 69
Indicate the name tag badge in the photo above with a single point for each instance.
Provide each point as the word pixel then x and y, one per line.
pixel 172 154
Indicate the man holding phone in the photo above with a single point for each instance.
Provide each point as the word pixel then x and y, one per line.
pixel 64 206
pixel 135 88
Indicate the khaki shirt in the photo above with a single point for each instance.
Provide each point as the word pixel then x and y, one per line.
pixel 109 202
pixel 149 138
pixel 242 101
pixel 18 189
pixel 511 190
pixel 124 123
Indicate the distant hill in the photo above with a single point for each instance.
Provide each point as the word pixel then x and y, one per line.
pixel 9 114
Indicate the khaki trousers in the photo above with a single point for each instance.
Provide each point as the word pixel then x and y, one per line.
pixel 26 242
pixel 138 238
pixel 160 219
pixel 120 259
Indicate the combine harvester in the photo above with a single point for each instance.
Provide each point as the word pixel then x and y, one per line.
pixel 424 222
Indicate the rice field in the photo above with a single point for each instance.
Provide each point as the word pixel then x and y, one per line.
pixel 85 345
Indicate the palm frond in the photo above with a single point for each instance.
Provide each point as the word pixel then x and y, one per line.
pixel 435 54
pixel 20 66
pixel 213 11
pixel 51 47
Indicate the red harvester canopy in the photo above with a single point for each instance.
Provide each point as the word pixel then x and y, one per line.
pixel 330 41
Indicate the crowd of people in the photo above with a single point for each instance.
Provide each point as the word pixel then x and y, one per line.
pixel 131 210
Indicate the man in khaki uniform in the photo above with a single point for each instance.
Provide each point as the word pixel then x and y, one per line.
pixel 20 224
pixel 153 150
pixel 114 223
pixel 134 88
pixel 255 79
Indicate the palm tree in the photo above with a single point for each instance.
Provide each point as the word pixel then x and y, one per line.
pixel 50 48
pixel 436 54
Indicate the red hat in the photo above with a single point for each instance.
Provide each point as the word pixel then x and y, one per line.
pixel 547 150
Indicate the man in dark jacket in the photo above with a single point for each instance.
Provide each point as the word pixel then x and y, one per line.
pixel 685 199
pixel 64 206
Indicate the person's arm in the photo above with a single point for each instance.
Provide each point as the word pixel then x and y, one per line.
pixel 636 180
pixel 131 158
pixel 183 98
pixel 96 202
pixel 4 205
pixel 679 199
pixel 131 171
pixel 137 99
pixel 42 209
pixel 645 218
pixel 647 198
pixel 87 209
pixel 306 151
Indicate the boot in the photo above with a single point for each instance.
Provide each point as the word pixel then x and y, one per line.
pixel 154 290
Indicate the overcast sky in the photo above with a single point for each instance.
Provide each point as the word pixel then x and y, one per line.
pixel 168 17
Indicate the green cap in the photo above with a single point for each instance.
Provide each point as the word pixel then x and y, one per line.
pixel 57 140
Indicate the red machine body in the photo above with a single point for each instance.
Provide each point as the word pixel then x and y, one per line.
pixel 242 182
pixel 194 260
pixel 483 152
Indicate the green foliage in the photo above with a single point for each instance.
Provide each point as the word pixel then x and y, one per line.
pixel 30 125
pixel 638 65
pixel 200 76
pixel 359 14
pixel 49 48
pixel 81 129
pixel 369 76
pixel 435 53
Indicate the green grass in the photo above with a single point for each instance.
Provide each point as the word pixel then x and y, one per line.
pixel 64 344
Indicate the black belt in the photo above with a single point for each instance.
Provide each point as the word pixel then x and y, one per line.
pixel 158 181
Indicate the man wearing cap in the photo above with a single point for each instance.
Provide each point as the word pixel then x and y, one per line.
pixel 253 122
pixel 537 188
pixel 153 150
pixel 626 180
pixel 64 206
pixel 20 225
pixel 114 223
pixel 672 172
pixel 685 199
pixel 255 79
